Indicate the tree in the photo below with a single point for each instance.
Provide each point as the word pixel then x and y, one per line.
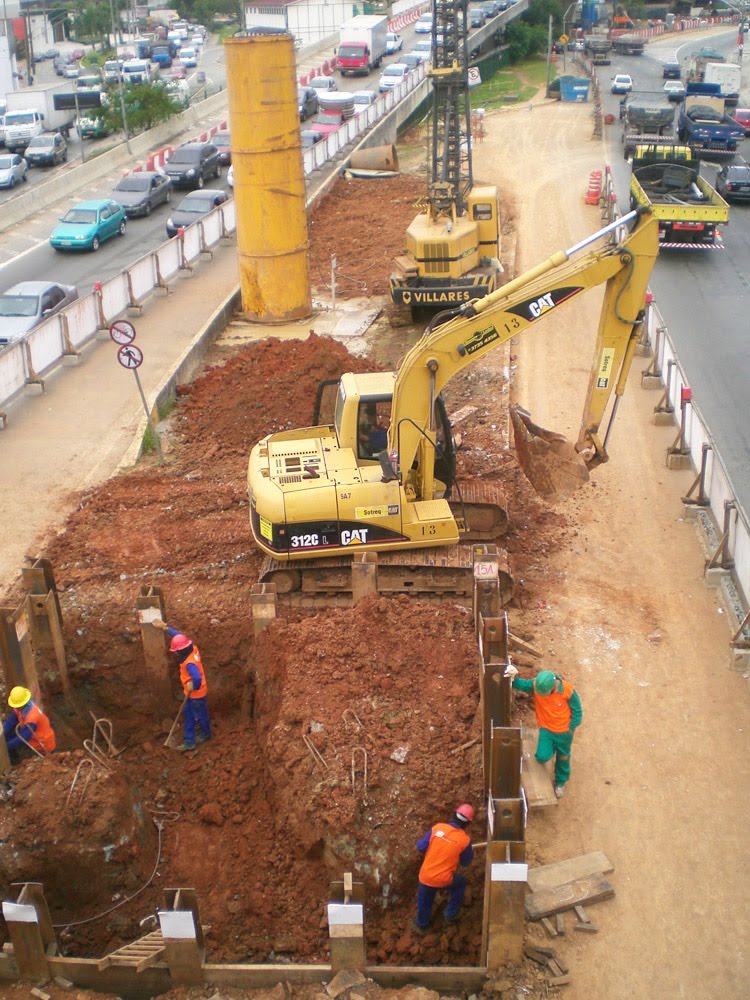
pixel 538 13
pixel 146 105
pixel 524 39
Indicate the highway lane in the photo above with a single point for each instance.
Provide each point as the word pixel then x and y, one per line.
pixel 702 295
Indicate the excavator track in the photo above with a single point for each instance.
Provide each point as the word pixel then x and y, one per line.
pixel 440 573
pixel 480 510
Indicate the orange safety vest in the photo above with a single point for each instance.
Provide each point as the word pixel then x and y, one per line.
pixel 552 710
pixel 441 858
pixel 185 678
pixel 43 737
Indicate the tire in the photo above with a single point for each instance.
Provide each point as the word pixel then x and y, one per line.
pixel 168 200
pixel 12 183
pixel 65 157
pixel 217 172
pixel 199 183
pixel 148 209
pixel 123 226
pixel 95 244
pixel 26 175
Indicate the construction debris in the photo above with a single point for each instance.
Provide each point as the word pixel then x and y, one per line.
pixel 584 890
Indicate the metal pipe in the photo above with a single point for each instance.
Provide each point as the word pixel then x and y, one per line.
pixel 623 221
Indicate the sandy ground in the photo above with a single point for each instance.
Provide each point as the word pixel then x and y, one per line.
pixel 660 763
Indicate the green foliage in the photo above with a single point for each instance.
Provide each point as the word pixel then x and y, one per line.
pixel 148 441
pixel 146 105
pixel 524 40
pixel 504 86
pixel 539 11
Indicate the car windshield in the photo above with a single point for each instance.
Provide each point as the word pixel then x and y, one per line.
pixel 83 216
pixel 739 174
pixel 394 71
pixel 362 98
pixel 183 156
pixel 41 140
pixel 134 183
pixel 220 139
pixel 19 118
pixel 19 305
pixel 193 205
pixel 6 162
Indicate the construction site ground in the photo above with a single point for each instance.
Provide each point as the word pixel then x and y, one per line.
pixel 609 589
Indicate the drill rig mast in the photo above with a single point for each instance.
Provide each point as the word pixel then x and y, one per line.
pixel 452 247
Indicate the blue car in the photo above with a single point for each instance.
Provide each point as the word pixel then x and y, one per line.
pixel 88 225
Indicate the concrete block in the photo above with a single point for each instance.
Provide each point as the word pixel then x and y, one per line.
pixel 34 389
pixel 650 382
pixel 642 351
pixel 71 360
pixel 664 418
pixel 676 460
pixel 714 577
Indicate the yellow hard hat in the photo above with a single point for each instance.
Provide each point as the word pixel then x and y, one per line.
pixel 18 697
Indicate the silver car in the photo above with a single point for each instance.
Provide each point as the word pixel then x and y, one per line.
pixel 27 304
pixel 13 170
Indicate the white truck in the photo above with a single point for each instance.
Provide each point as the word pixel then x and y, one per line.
pixel 362 43
pixel 727 75
pixel 31 111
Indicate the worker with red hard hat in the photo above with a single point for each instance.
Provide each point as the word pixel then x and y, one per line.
pixel 27 728
pixel 194 687
pixel 445 846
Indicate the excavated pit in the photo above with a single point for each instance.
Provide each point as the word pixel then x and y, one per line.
pixel 256 821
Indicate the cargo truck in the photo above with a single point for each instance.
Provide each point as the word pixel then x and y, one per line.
pixel 628 45
pixel 704 123
pixel 727 76
pixel 666 181
pixel 362 43
pixel 31 111
pixel 646 118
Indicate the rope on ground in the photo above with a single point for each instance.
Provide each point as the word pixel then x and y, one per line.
pixel 160 820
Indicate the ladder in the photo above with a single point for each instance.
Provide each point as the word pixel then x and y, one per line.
pixel 138 955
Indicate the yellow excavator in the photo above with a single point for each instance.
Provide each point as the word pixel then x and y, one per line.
pixel 378 473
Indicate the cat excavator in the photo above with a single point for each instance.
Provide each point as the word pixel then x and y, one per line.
pixel 379 471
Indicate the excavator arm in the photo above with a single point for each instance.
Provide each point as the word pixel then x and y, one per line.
pixel 459 337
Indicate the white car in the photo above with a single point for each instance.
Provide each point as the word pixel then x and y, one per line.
pixel 188 58
pixel 392 76
pixel 424 24
pixel 423 46
pixel 13 169
pixel 363 99
pixel 323 83
pixel 393 43
pixel 674 90
pixel 230 175
pixel 622 84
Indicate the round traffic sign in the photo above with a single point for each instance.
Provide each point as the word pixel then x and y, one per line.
pixel 129 356
pixel 122 332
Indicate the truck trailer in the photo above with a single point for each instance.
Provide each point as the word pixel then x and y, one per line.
pixel 666 181
pixel 362 42
pixel 32 111
pixel 646 118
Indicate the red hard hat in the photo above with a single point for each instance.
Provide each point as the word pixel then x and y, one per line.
pixel 466 812
pixel 181 641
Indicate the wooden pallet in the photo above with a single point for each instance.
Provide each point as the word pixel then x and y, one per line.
pixel 138 955
pixel 535 778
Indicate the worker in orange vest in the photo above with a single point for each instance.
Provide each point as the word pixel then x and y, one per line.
pixel 194 687
pixel 26 722
pixel 558 715
pixel 445 846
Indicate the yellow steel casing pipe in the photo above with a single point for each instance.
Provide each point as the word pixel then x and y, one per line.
pixel 269 179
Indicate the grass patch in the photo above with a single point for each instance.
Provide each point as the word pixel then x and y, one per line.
pixel 148 443
pixel 228 32
pixel 514 84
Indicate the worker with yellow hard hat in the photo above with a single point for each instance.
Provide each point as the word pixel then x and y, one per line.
pixel 26 726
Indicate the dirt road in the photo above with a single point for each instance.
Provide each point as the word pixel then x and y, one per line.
pixel 660 765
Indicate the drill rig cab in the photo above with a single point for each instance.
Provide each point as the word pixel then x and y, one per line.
pixel 452 246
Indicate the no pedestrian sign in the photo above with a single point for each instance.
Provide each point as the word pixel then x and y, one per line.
pixel 129 356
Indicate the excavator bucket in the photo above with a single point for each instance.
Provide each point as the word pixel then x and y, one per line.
pixel 549 461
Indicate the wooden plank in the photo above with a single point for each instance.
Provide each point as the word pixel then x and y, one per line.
pixel 560 872
pixel 568 896
pixel 536 780
pixel 149 960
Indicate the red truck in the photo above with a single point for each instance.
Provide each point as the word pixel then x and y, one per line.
pixel 362 43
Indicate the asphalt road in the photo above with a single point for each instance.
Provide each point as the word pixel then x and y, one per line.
pixel 702 295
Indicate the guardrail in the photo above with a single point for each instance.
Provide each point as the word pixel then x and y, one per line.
pixel 712 497
pixel 28 361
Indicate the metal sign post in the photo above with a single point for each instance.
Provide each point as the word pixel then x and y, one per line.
pixel 131 357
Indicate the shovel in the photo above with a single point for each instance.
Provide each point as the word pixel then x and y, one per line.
pixel 176 720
